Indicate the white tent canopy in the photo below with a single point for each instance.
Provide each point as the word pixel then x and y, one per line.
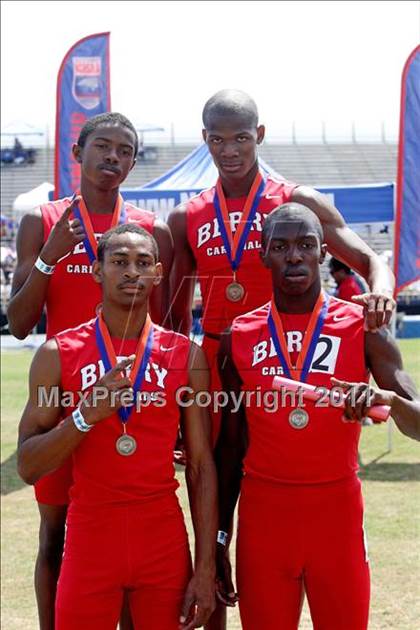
pixel 31 199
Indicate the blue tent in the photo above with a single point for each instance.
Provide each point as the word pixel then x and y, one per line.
pixel 358 204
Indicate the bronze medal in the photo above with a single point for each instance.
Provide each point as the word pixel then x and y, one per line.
pixel 298 418
pixel 235 292
pixel 126 445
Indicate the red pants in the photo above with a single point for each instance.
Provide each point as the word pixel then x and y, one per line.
pixel 211 348
pixel 142 549
pixel 307 537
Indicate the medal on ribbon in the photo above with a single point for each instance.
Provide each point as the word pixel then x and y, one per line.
pixel 126 444
pixel 235 243
pixel 81 212
pixel 298 418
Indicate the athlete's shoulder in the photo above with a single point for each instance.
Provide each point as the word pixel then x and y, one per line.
pixel 251 320
pixel 278 187
pixel 200 201
pixel 77 335
pixel 53 210
pixel 145 218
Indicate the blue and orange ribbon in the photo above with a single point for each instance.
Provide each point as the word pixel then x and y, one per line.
pixel 310 340
pixel 81 212
pixel 235 244
pixel 109 359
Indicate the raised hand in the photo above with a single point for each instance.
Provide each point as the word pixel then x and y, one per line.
pixel 378 309
pixel 110 393
pixel 64 236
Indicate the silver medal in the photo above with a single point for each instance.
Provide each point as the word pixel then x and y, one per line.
pixel 126 445
pixel 235 292
pixel 298 418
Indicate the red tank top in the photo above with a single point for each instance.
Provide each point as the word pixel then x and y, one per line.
pixel 72 294
pixel 348 288
pixel 326 448
pixel 213 269
pixel 100 474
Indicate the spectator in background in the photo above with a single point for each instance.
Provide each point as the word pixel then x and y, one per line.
pixel 347 283
pixel 18 146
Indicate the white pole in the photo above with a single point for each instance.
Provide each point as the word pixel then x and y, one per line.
pixel 390 421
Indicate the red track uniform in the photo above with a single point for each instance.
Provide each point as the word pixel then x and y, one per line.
pixel 125 529
pixel 72 299
pixel 213 268
pixel 347 288
pixel 301 510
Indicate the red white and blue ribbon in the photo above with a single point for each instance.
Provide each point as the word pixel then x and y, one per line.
pixel 109 359
pixel 300 371
pixel 81 212
pixel 235 243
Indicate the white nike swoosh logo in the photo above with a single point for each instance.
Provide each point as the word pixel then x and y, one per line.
pixel 336 318
pixel 132 220
pixel 163 349
pixel 268 196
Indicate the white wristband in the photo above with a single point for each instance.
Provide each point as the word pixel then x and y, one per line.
pixel 43 267
pixel 79 421
pixel 222 537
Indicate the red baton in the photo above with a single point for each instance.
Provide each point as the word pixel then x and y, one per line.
pixel 311 392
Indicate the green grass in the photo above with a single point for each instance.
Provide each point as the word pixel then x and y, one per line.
pixel 390 485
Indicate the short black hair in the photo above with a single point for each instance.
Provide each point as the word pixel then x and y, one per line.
pixel 123 229
pixel 285 214
pixel 337 265
pixel 109 118
pixel 230 103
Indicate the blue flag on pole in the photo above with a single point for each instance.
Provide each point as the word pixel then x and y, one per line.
pixel 407 220
pixel 83 91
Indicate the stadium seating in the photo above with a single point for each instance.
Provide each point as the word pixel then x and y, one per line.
pixel 312 164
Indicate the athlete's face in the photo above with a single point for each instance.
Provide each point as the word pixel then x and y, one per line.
pixel 294 254
pixel 232 142
pixel 128 271
pixel 107 157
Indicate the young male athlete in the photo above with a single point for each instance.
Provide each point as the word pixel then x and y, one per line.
pixel 217 235
pixel 125 529
pixel 56 246
pixel 301 513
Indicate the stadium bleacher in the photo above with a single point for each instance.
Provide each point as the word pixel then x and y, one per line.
pixel 312 164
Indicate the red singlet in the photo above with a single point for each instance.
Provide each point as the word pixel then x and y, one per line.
pixel 213 269
pixel 72 294
pixel 301 511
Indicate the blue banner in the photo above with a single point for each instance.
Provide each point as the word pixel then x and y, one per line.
pixel 83 91
pixel 407 224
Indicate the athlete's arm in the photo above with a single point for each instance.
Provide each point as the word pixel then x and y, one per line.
pixel 44 443
pixel 346 245
pixel 397 388
pixel 201 482
pixel 230 451
pixel 30 286
pixel 159 301
pixel 182 279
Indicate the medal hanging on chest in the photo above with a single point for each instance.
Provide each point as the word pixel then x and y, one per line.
pixel 235 243
pixel 298 418
pixel 80 212
pixel 126 444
